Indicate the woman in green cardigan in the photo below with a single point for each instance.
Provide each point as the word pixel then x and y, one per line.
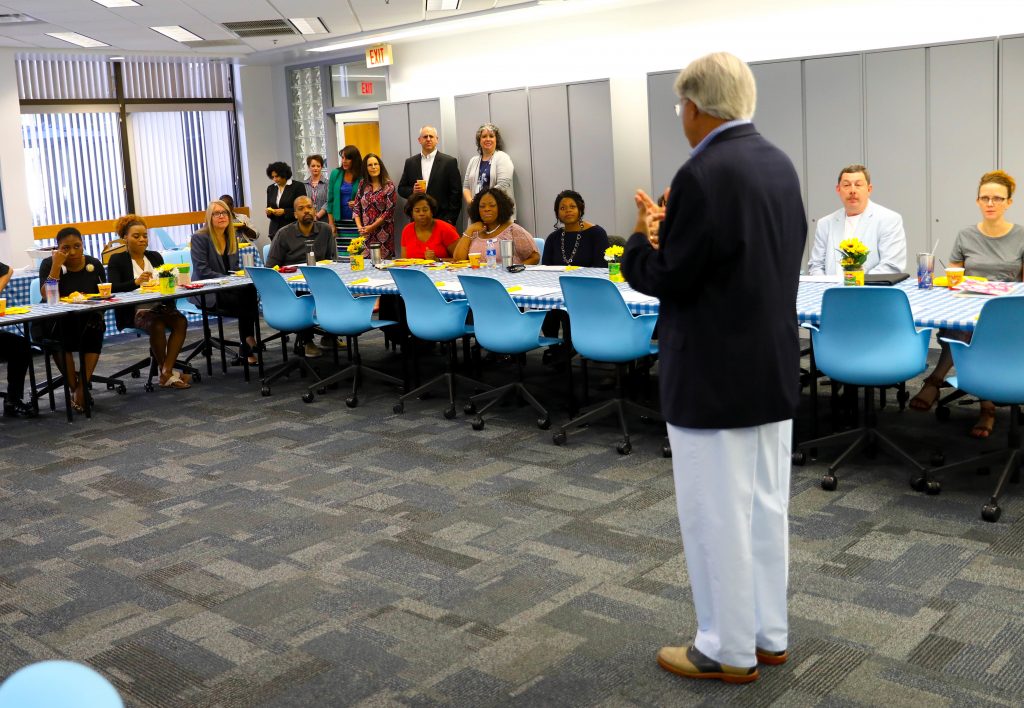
pixel 341 194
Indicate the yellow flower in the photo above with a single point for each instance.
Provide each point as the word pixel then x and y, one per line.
pixel 355 246
pixel 613 253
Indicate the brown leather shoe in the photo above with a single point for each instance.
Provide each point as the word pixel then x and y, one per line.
pixel 688 662
pixel 771 658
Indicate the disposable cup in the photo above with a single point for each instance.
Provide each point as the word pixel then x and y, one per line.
pixel 954 277
pixel 104 289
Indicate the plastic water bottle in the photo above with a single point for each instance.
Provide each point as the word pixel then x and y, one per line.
pixel 492 253
pixel 310 255
pixel 52 291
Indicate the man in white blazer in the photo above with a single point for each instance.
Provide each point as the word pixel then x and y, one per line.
pixel 878 228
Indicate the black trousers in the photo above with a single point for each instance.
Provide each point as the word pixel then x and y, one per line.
pixel 14 349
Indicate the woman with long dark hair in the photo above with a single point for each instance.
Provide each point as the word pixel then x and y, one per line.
pixel 374 210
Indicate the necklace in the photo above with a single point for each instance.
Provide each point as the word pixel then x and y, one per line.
pixel 496 228
pixel 576 246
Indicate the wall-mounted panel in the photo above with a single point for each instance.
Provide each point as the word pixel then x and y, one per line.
pixel 962 133
pixel 895 131
pixel 590 135
pixel 669 148
pixel 471 111
pixel 423 113
pixel 393 119
pixel 779 116
pixel 510 112
pixel 833 105
pixel 552 162
pixel 1011 107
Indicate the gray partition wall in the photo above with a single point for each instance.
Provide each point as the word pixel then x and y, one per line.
pixel 590 136
pixel 779 116
pixel 669 148
pixel 510 112
pixel 1011 107
pixel 552 159
pixel 471 112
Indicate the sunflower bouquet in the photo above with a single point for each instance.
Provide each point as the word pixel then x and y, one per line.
pixel 355 252
pixel 612 254
pixel 854 253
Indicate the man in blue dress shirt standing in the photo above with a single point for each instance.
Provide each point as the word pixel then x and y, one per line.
pixel 725 265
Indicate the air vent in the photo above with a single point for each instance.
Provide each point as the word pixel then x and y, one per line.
pixel 215 43
pixel 16 18
pixel 260 28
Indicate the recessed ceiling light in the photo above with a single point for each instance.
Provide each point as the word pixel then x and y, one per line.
pixel 434 5
pixel 79 40
pixel 309 25
pixel 177 33
pixel 116 58
pixel 117 3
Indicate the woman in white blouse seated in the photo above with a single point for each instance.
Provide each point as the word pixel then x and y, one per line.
pixel 127 271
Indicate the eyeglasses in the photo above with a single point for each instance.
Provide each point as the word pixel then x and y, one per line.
pixel 215 214
pixel 992 200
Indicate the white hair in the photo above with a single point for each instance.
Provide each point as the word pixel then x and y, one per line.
pixel 720 85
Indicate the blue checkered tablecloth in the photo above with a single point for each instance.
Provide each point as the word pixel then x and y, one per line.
pixel 937 307
pixel 18 292
pixel 546 280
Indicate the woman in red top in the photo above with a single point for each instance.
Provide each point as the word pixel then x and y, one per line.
pixel 425 236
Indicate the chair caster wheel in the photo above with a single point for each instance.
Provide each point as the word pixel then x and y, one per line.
pixel 544 423
pixel 469 409
pixel 265 391
pixel 149 387
pixel 799 458
pixel 308 397
pixel 918 484
pixel 559 438
pixel 666 451
pixel 121 389
pixel 135 373
pixel 933 487
pixel 398 408
pixel 942 413
pixel 624 448
pixel 352 401
pixel 937 459
pixel 829 482
pixel 991 513
pixel 321 390
pixel 478 424
pixel 449 412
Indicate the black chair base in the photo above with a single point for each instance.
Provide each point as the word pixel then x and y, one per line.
pixel 496 395
pixel 449 377
pixel 1011 469
pixel 356 371
pixel 619 405
pixel 296 363
pixel 866 436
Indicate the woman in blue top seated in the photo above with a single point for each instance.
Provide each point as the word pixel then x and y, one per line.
pixel 74 271
pixel 129 270
pixel 577 242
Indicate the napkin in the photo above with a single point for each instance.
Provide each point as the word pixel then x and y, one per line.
pixel 21 310
pixel 296 278
pixel 360 281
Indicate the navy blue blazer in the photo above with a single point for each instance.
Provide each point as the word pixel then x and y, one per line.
pixel 727 273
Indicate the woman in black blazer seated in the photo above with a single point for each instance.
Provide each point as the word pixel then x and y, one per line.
pixel 281 196
pixel 127 271
pixel 214 255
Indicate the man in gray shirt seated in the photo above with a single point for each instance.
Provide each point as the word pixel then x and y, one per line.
pixel 291 244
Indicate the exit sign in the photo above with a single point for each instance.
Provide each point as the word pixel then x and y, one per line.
pixel 379 55
pixel 366 88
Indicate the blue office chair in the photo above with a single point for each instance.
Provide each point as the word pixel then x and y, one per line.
pixel 867 338
pixel 266 253
pixel 58 683
pixel 603 329
pixel 286 312
pixel 991 367
pixel 500 327
pixel 433 319
pixel 339 313
pixel 166 242
pixel 540 244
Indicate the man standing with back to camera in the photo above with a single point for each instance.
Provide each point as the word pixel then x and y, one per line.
pixel 725 266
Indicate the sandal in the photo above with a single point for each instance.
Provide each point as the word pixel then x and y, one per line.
pixel 173 381
pixel 926 397
pixel 986 421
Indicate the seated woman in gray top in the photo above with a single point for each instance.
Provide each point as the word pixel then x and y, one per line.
pixel 992 248
pixel 491 168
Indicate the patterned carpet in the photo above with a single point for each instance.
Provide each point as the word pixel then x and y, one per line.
pixel 212 547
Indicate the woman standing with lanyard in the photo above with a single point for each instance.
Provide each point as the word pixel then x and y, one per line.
pixel 491 168
pixel 341 194
pixel 374 210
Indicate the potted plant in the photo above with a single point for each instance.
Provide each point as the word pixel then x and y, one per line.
pixel 854 254
pixel 355 252
pixel 168 278
pixel 612 254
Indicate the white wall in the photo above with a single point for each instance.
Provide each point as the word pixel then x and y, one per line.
pixel 18 234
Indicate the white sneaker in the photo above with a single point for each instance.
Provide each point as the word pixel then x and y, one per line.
pixel 312 350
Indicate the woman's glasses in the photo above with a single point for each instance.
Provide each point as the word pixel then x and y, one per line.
pixel 992 200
